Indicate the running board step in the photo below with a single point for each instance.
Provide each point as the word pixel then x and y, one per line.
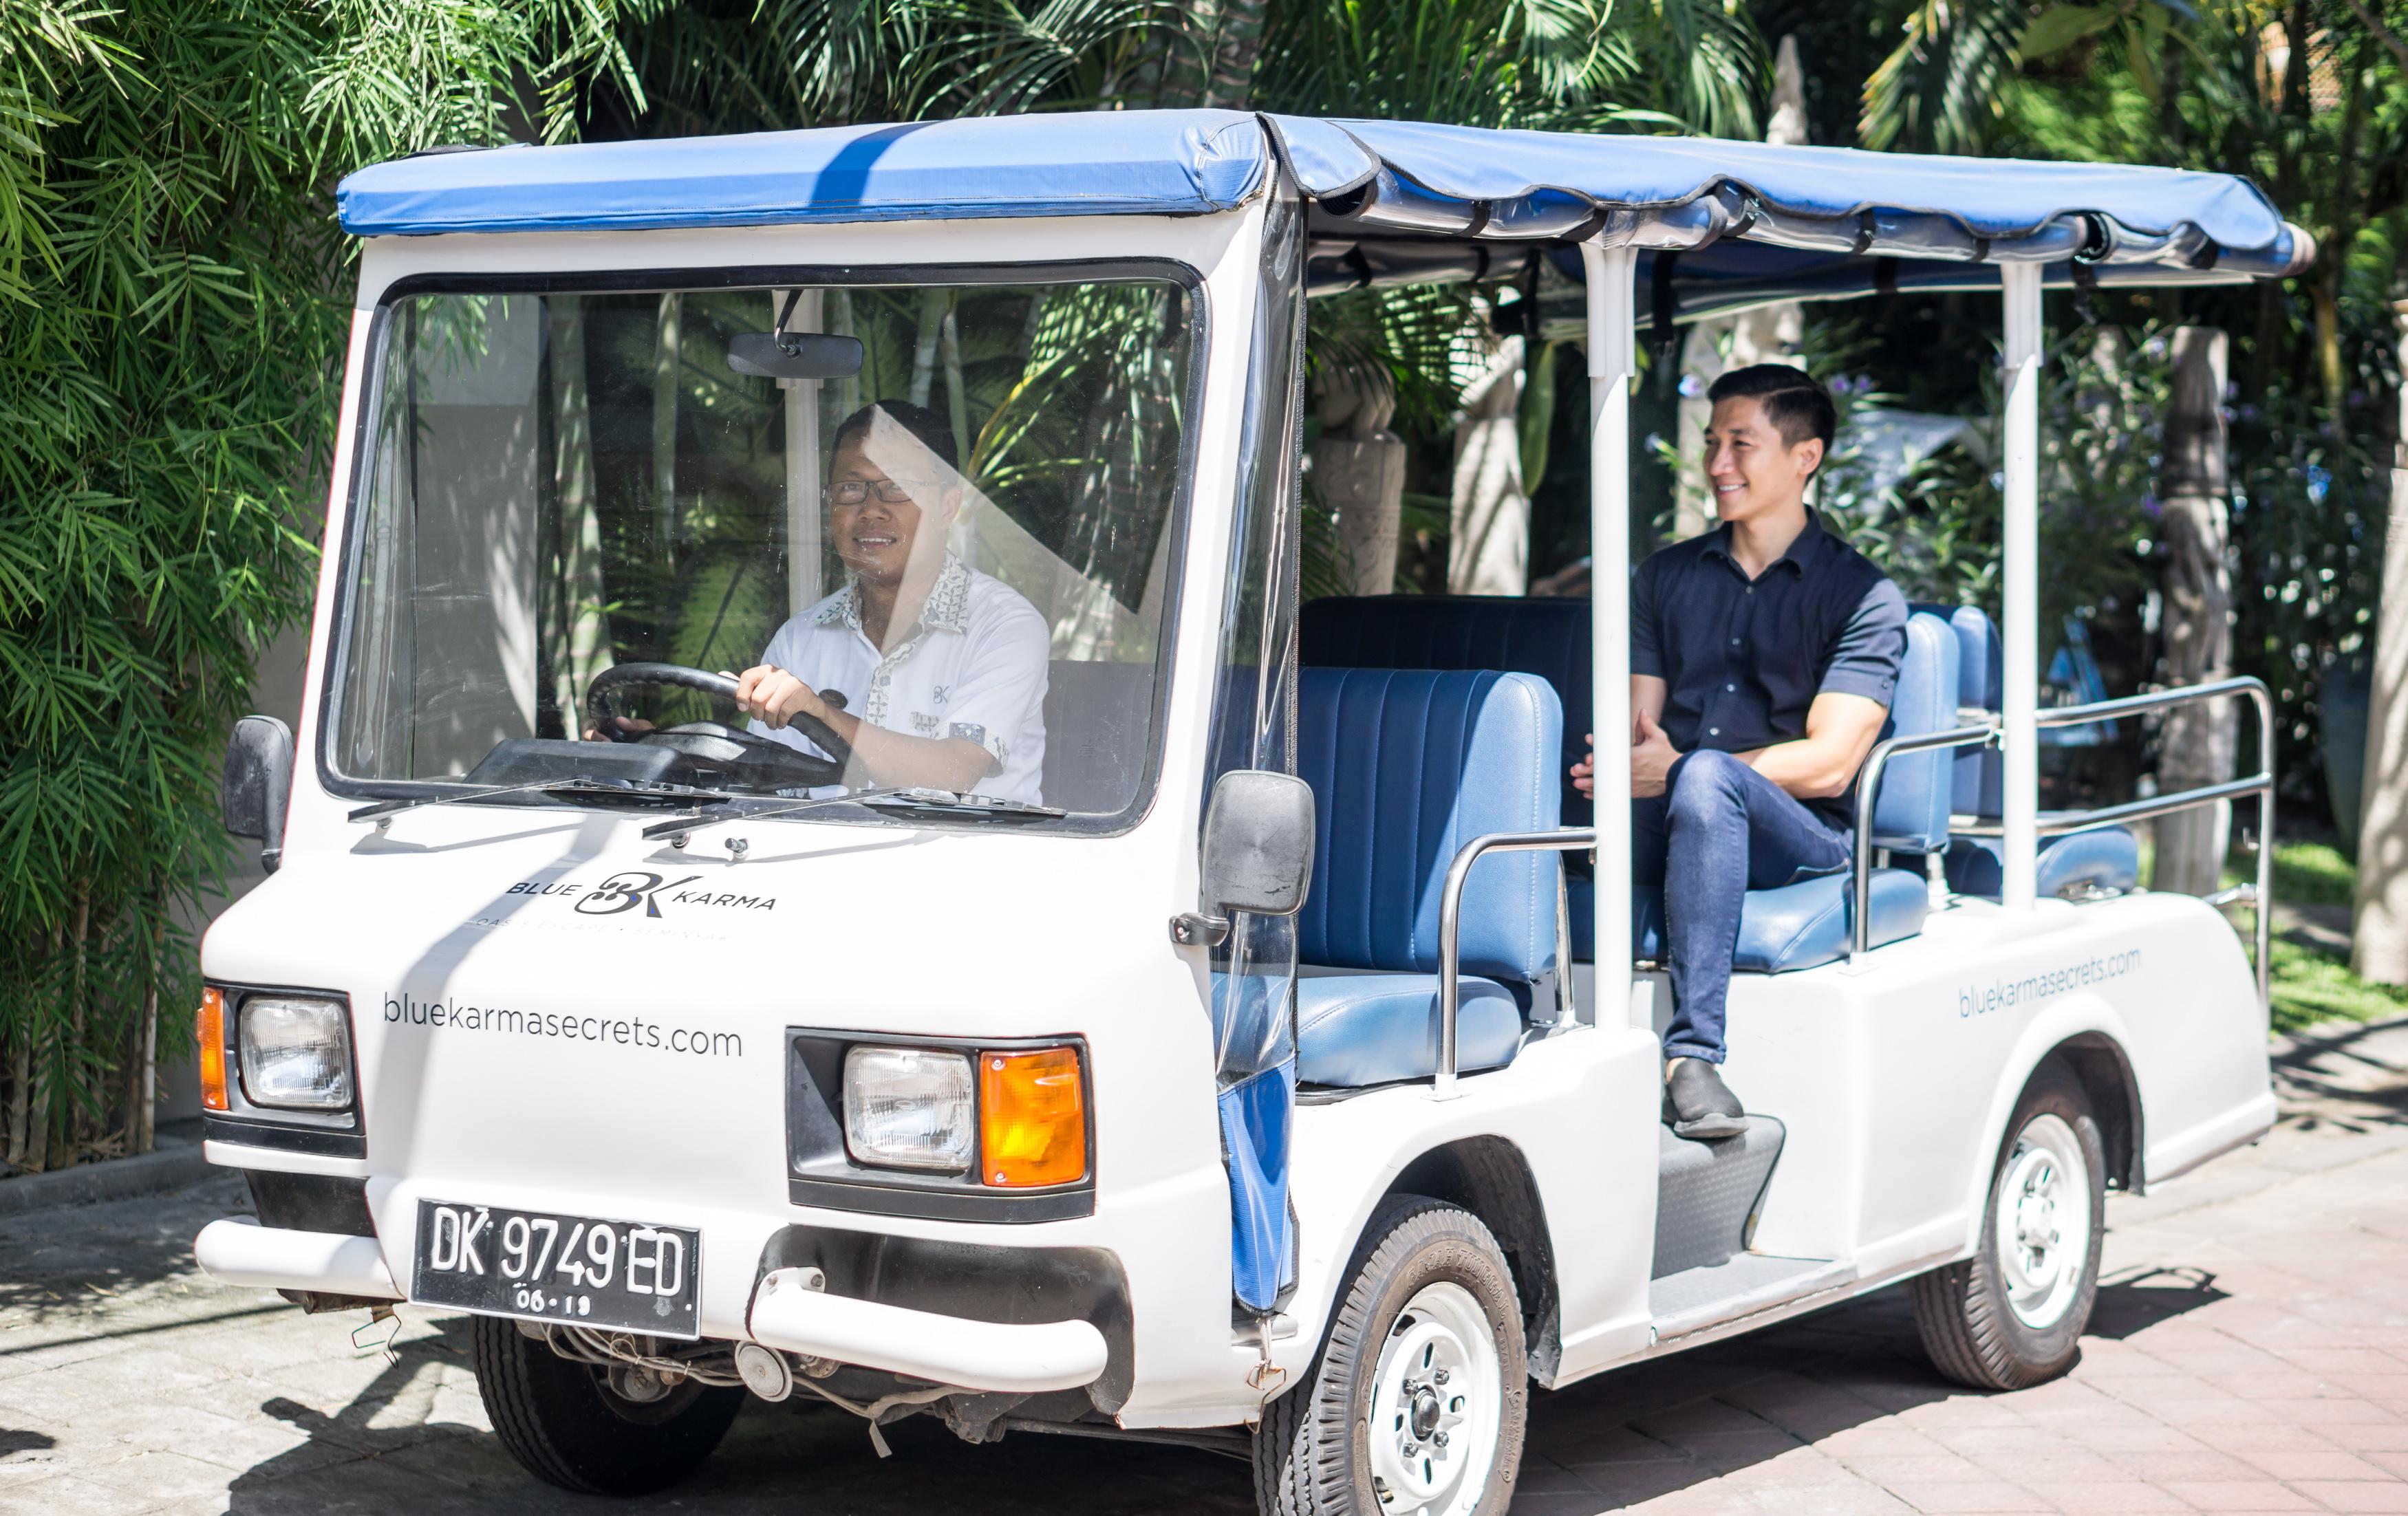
pixel 1707 1194
pixel 1698 1298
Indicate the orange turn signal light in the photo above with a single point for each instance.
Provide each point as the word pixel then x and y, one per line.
pixel 213 1046
pixel 1032 1118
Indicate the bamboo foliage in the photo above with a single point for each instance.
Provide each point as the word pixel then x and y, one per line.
pixel 170 334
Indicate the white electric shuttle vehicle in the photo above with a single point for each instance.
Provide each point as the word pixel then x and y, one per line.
pixel 1196 1016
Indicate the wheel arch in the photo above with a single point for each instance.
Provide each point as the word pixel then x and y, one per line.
pixel 2105 1070
pixel 1490 1176
pixel 2082 1034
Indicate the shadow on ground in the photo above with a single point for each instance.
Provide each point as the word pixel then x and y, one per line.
pixel 2351 1079
pixel 1620 1438
pixel 372 1456
pixel 52 1273
pixel 1624 1436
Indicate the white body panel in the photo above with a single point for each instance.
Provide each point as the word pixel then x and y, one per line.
pixel 1893 1091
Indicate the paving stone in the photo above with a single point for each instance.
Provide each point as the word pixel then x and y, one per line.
pixel 2335 1464
pixel 1952 1495
pixel 2352 1496
pixel 2237 1495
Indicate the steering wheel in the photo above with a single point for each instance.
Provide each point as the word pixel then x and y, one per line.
pixel 714 743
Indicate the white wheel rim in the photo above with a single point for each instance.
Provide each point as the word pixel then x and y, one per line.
pixel 1438 1398
pixel 2044 1223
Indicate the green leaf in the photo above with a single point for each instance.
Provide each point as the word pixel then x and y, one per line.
pixel 2059 27
pixel 2137 57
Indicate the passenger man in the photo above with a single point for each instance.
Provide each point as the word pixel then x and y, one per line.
pixel 1764 656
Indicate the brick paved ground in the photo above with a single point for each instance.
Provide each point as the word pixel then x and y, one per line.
pixel 2250 1353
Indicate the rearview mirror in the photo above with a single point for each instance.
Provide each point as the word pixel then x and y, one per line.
pixel 1257 852
pixel 257 782
pixel 794 355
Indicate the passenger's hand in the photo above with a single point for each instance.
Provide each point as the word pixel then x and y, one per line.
pixel 629 726
pixel 1584 772
pixel 1651 759
pixel 773 698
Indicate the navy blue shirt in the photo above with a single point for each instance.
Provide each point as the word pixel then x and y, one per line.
pixel 1744 659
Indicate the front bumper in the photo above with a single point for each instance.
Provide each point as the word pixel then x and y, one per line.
pixel 238 1251
pixel 790 1310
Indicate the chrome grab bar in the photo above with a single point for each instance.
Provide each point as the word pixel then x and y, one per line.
pixel 1450 928
pixel 1860 931
pixel 2058 823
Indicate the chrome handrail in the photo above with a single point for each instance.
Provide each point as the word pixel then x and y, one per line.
pixel 1868 787
pixel 1450 928
pixel 2059 822
pixel 2261 783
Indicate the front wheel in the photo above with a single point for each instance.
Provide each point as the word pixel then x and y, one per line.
pixel 584 1428
pixel 1416 1404
pixel 2012 1315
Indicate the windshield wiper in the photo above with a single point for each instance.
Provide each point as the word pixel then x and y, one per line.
pixel 688 823
pixel 877 797
pixel 950 800
pixel 590 788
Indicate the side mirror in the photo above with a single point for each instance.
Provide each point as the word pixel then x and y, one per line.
pixel 257 782
pixel 1257 853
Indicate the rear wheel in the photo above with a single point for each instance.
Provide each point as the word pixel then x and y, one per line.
pixel 1416 1402
pixel 2013 1314
pixel 592 1430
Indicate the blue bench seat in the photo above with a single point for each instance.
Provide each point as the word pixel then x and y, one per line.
pixel 1798 925
pixel 2104 861
pixel 1405 766
pixel 1358 1029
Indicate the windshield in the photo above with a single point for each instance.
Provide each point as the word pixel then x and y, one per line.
pixel 768 542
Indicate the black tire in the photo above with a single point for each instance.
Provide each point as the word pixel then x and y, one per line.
pixel 1970 1323
pixel 1313 1450
pixel 559 1420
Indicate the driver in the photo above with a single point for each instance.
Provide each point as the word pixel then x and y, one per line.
pixel 941 667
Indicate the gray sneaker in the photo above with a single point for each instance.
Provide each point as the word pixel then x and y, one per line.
pixel 1697 1104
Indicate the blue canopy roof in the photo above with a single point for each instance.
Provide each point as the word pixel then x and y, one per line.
pixel 1158 162
pixel 1394 201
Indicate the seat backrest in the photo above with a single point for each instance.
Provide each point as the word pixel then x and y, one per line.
pixel 1980 779
pixel 1406 766
pixel 1098 718
pixel 1911 813
pixel 1546 636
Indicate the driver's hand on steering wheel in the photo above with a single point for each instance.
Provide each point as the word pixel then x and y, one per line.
pixel 626 728
pixel 774 697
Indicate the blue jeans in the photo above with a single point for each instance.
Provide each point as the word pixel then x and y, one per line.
pixel 1719 830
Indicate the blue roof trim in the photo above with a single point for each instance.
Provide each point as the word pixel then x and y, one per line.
pixel 1098 162
pixel 1395 201
pixel 1991 197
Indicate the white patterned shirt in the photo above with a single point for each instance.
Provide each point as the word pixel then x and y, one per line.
pixel 973 668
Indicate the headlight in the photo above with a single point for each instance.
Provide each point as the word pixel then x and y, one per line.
pixel 297 1053
pixel 910 1108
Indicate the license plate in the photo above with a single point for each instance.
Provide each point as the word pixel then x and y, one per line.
pixel 499 1262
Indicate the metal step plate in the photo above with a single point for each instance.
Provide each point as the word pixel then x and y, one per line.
pixel 1706 1194
pixel 1698 1298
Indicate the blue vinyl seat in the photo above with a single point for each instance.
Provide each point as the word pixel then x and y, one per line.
pixel 2106 860
pixel 1546 636
pixel 1406 766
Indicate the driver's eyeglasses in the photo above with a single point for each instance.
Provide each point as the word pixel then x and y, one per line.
pixel 893 492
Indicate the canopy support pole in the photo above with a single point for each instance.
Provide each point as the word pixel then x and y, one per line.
pixel 1612 340
pixel 2020 283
